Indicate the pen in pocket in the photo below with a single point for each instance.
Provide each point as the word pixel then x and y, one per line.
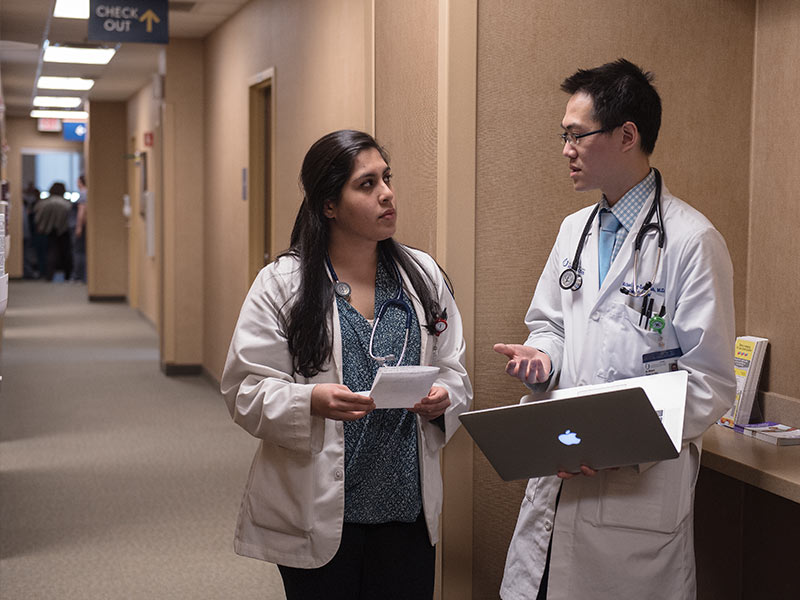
pixel 644 310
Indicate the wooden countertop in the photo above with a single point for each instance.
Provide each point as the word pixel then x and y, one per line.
pixel 772 468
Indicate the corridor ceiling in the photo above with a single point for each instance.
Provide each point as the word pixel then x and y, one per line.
pixel 25 24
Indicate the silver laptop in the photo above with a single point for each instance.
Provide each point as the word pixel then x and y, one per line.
pixel 601 426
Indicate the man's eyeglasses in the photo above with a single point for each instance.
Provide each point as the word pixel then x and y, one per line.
pixel 573 138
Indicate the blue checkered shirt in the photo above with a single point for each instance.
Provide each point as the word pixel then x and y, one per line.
pixel 627 208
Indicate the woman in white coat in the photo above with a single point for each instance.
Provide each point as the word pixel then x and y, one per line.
pixel 345 500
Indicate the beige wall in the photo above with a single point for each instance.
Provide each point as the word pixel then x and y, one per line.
pixel 774 215
pixel 319 51
pixel 183 202
pixel 143 275
pixel 406 111
pixel 702 55
pixel 21 134
pixel 106 179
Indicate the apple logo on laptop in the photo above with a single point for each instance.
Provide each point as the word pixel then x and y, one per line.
pixel 569 438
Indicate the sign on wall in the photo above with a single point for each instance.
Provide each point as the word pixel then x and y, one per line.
pixel 129 21
pixel 48 124
pixel 74 131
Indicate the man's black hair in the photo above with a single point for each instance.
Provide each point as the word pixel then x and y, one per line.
pixel 621 92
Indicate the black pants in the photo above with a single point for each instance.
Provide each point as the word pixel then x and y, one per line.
pixel 59 256
pixel 391 561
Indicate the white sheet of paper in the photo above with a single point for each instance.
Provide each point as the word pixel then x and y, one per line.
pixel 401 387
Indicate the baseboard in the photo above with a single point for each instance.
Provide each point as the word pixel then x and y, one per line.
pixel 171 369
pixel 95 298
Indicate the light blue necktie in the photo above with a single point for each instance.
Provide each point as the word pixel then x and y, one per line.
pixel 608 234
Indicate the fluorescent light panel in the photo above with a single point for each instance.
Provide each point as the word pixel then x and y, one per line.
pixel 57 101
pixel 70 115
pixel 64 83
pixel 71 9
pixel 84 56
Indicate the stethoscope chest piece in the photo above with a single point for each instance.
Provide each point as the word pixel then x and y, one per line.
pixel 439 326
pixel 342 289
pixel 570 280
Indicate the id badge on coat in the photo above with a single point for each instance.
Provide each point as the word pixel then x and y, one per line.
pixel 662 361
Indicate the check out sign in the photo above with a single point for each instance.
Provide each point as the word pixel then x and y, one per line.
pixel 129 21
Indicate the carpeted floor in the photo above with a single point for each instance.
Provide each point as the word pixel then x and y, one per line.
pixel 116 482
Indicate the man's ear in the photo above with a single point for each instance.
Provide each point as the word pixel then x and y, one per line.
pixel 630 136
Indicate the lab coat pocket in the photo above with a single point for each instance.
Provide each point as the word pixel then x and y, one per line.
pixel 280 491
pixel 650 501
pixel 640 340
pixel 622 342
pixel 636 322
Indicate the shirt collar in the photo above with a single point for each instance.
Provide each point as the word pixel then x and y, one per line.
pixel 627 208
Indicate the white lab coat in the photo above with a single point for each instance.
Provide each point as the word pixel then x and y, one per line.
pixel 627 534
pixel 293 504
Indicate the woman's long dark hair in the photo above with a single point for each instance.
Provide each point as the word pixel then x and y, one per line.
pixel 325 171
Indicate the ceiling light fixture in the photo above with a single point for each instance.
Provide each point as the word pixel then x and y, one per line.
pixel 49 82
pixel 57 101
pixel 71 9
pixel 85 56
pixel 69 115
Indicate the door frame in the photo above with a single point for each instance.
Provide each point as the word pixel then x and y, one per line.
pixel 258 181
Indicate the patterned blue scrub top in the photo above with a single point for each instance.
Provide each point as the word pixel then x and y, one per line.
pixel 381 482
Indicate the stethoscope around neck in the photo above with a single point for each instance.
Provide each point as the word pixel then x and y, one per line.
pixel 343 290
pixel 571 279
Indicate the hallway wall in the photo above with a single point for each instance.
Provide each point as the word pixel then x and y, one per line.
pixel 774 217
pixel 143 274
pixel 106 227
pixel 182 213
pixel 321 58
pixel 406 94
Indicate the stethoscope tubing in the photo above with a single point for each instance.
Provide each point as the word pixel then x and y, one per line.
pixel 647 225
pixel 397 300
pixel 571 279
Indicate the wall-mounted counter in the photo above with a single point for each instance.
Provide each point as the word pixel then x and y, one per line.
pixel 772 468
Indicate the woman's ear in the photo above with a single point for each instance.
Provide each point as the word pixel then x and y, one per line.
pixel 328 210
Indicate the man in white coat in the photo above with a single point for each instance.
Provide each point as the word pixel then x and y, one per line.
pixel 622 533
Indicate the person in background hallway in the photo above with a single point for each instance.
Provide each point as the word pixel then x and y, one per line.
pixel 621 533
pixel 32 264
pixel 79 234
pixel 52 220
pixel 344 498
